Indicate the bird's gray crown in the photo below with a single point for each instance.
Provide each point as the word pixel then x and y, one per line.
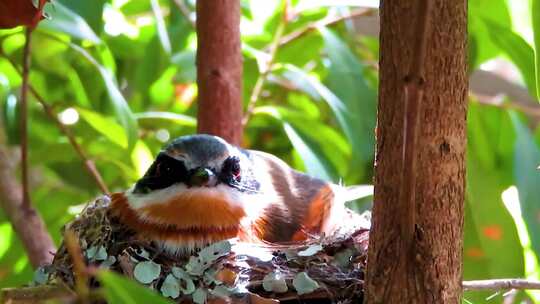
pixel 198 149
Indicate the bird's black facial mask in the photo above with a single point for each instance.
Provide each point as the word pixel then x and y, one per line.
pixel 230 171
pixel 232 175
pixel 164 172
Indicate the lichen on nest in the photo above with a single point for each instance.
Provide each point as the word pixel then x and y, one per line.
pixel 323 269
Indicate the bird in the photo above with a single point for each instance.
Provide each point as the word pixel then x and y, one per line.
pixel 200 190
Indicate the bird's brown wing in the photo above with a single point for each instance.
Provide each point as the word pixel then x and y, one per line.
pixel 304 202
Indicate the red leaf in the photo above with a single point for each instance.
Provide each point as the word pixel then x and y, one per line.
pixel 20 12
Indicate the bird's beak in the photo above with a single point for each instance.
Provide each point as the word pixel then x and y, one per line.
pixel 202 177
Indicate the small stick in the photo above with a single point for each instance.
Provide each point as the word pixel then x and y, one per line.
pixel 501 284
pixel 325 22
pixel 79 267
pixel 24 123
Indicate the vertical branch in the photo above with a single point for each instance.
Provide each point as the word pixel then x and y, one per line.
pixel 219 69
pixel 27 223
pixel 24 122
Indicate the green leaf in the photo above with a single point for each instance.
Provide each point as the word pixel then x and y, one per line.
pixel 517 49
pixel 346 80
pixel 119 289
pixel 274 282
pixel 105 126
pixel 496 10
pixel 146 272
pixel 527 177
pixel 304 284
pixel 170 287
pixel 161 28
pixel 315 166
pixel 120 106
pixel 185 62
pixel 535 9
pixel 66 21
pixel 179 119
pixel 490 241
pixel 90 11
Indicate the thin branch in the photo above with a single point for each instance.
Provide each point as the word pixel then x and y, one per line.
pixel 27 223
pixel 88 163
pixel 24 122
pixel 323 23
pixel 37 294
pixel 501 284
pixel 186 12
pixel 263 75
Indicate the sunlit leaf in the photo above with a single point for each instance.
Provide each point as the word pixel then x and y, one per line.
pixel 66 21
pixel 517 49
pixel 141 157
pixel 179 119
pixel 346 79
pixel 496 10
pixel 535 10
pixel 119 289
pixel 312 161
pixel 121 108
pixel 161 28
pixel 105 126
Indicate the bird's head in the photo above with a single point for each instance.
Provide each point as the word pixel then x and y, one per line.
pixel 196 161
pixel 195 192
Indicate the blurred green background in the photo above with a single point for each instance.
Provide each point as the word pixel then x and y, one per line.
pixel 121 75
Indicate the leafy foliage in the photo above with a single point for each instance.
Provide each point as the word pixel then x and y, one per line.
pixel 121 75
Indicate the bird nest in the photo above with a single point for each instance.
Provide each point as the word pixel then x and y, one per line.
pixel 322 270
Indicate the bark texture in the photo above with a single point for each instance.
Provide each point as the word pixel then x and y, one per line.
pixel 432 273
pixel 26 222
pixel 219 69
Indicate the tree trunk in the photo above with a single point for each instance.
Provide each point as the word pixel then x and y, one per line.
pixel 429 270
pixel 219 69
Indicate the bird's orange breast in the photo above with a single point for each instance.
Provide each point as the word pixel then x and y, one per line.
pixel 196 219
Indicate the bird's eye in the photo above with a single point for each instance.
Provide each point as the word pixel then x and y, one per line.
pixel 231 168
pixel 162 169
